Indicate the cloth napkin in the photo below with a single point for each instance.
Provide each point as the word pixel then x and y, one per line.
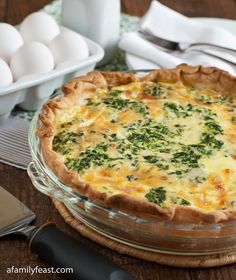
pixel 14 148
pixel 171 25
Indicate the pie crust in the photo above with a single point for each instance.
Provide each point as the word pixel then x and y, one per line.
pixel 211 77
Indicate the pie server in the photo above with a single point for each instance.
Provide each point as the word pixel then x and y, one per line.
pixel 55 246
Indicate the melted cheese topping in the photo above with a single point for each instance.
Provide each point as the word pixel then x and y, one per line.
pixel 164 143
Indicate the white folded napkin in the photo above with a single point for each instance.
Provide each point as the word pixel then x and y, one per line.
pixel 168 24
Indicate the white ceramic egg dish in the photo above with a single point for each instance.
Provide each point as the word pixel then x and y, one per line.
pixel 37 57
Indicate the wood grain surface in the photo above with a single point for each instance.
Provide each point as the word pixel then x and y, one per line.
pixel 13 250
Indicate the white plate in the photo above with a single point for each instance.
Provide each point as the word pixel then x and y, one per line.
pixel 135 62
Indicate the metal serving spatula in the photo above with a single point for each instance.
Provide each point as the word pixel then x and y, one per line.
pixel 55 246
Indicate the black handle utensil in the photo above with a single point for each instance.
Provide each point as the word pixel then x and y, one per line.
pixel 54 246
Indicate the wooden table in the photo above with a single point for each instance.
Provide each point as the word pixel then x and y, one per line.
pixel 13 251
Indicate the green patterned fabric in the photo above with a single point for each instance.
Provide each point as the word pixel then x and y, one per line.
pixel 128 23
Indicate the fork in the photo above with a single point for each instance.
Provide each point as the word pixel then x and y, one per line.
pixel 184 46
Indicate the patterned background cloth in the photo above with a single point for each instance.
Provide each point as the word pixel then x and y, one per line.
pixel 14 148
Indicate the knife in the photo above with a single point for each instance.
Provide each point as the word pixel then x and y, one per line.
pixel 55 246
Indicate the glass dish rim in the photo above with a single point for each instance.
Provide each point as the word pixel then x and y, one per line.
pixel 33 138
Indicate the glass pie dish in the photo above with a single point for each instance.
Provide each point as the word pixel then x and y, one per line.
pixel 156 236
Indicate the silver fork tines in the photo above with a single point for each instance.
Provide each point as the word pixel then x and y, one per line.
pixel 172 45
pixel 168 45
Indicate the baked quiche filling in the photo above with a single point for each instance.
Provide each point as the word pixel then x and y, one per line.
pixel 163 143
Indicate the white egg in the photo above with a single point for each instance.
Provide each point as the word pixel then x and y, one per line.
pixel 31 58
pixel 68 46
pixel 5 74
pixel 10 40
pixel 40 27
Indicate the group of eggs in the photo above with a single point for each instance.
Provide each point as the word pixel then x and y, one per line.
pixel 36 47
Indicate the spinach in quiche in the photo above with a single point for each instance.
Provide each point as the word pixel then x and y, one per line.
pixel 151 132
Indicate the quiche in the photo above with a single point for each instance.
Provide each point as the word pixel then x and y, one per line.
pixel 161 146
